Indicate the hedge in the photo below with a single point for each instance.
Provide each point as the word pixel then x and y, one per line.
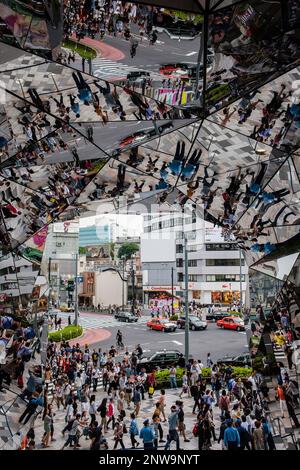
pixel 173 317
pixel 84 51
pixel 69 332
pixel 162 377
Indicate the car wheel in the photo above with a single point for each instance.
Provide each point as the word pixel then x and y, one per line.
pixel 126 320
pixel 193 327
pixel 163 330
pixel 238 329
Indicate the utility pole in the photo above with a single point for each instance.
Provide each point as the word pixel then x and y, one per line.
pixel 172 283
pixel 241 287
pixel 76 290
pixel 123 280
pixel 186 296
pixel 133 287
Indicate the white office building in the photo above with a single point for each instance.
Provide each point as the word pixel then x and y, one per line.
pixel 214 272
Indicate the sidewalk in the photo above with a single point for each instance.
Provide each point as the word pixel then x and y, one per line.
pixel 103 50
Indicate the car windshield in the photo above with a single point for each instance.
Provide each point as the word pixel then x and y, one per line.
pixel 238 320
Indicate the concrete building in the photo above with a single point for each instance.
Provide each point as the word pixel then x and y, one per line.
pixel 213 263
pixel 61 247
pixel 17 280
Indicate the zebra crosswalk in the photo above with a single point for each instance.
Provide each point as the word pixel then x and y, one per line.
pixel 278 352
pixel 107 69
pixel 94 322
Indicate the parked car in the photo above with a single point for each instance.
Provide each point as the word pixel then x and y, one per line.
pixel 160 359
pixel 161 325
pixel 243 360
pixel 127 317
pixel 231 323
pixel 137 74
pixel 216 316
pixel 195 323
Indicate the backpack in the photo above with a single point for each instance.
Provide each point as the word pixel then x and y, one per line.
pixel 224 403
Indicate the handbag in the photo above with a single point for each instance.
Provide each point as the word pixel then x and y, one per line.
pixel 124 429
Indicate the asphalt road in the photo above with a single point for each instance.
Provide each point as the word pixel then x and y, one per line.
pixel 165 51
pixel 214 340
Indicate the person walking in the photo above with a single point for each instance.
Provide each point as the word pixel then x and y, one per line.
pixel 231 436
pixel 258 437
pixel 118 435
pixel 136 401
pixel 173 382
pixel 147 435
pixel 181 424
pixel 173 425
pixel 102 409
pixel 281 398
pixel 92 409
pixel 133 431
pixel 111 413
pixel 162 403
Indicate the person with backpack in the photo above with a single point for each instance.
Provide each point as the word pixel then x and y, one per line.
pixel 224 402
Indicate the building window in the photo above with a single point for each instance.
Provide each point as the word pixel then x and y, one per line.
pixel 221 247
pixel 193 277
pixel 224 278
pixel 192 262
pixel 179 277
pixel 179 263
pixel 224 262
pixel 179 248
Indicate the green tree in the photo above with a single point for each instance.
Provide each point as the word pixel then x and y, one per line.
pixel 128 249
pixel 82 250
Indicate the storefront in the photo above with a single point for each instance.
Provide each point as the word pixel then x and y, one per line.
pixel 225 297
pixel 160 296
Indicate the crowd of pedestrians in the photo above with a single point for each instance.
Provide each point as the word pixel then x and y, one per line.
pixel 224 412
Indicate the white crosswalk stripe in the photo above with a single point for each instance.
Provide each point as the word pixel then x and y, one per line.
pixel 103 322
pixel 109 69
pixel 278 352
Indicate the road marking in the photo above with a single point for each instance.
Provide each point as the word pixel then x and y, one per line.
pixel 176 334
pixel 177 342
pixel 191 53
